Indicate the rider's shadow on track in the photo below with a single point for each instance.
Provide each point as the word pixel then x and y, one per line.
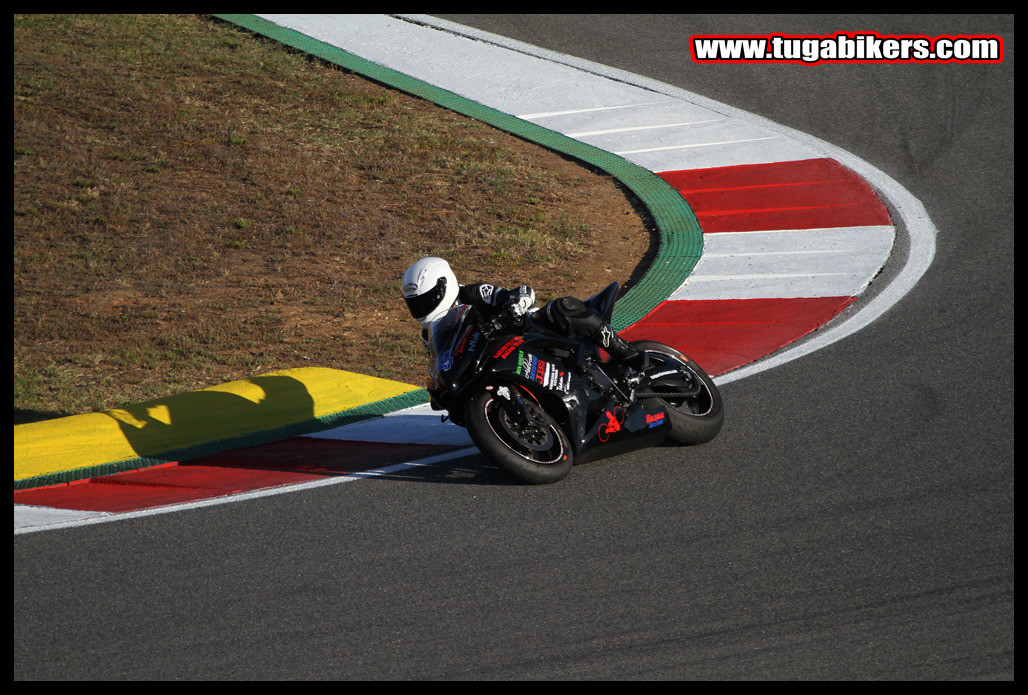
pixel 472 469
pixel 202 422
pixel 476 469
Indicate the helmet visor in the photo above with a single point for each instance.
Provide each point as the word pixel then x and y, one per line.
pixel 423 304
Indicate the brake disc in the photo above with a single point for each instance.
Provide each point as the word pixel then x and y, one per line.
pixel 531 434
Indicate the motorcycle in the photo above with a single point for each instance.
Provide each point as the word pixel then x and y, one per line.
pixel 536 402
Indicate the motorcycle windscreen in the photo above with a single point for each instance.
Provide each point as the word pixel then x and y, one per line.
pixel 444 336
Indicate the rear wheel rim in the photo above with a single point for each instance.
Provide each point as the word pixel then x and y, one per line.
pixel 699 404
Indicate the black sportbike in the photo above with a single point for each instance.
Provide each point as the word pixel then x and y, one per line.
pixel 536 402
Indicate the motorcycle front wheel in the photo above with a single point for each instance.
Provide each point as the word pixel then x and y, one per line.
pixel 530 446
pixel 693 401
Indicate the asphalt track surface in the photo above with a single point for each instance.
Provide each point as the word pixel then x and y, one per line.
pixel 854 520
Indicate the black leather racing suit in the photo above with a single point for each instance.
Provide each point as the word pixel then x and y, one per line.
pixel 567 315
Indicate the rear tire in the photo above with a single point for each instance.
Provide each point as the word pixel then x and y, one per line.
pixel 694 419
pixel 537 451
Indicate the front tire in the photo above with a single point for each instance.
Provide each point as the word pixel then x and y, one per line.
pixel 535 450
pixel 697 418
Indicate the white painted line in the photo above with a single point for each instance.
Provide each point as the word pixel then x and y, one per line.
pixel 752 152
pixel 710 277
pixel 31 519
pixel 787 264
pixel 609 131
pixel 593 110
pixel 28 516
pixel 694 144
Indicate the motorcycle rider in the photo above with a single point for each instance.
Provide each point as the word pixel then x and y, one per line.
pixel 430 289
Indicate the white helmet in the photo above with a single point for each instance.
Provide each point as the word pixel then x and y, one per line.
pixel 430 289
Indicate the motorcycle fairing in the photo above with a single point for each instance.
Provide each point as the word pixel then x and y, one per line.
pixel 550 368
pixel 611 432
pixel 590 427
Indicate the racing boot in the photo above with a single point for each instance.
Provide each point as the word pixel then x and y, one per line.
pixel 569 315
pixel 619 349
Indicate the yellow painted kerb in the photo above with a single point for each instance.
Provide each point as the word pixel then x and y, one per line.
pixel 238 408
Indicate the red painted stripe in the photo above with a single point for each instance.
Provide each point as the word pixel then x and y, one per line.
pixel 724 334
pixel 804 194
pixel 286 462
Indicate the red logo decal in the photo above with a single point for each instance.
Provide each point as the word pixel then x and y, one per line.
pixel 612 425
pixel 509 347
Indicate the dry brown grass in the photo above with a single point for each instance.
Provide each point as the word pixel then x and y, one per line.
pixel 194 205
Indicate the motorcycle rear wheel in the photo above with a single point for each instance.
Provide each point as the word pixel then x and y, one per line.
pixel 536 451
pixel 695 419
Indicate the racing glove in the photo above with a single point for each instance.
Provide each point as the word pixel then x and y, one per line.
pixel 520 300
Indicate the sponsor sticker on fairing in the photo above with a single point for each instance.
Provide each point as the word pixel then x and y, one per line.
pixel 469 340
pixel 542 372
pixel 444 362
pixel 508 347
